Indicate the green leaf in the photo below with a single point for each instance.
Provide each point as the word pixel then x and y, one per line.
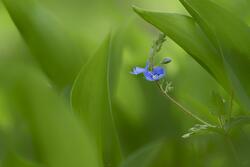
pixel 240 8
pixel 91 101
pixel 49 42
pixel 144 157
pixel 231 37
pixel 58 137
pixel 116 47
pixel 187 34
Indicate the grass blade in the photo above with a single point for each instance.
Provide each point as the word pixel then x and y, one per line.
pixel 91 100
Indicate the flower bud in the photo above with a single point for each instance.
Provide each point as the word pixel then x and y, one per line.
pixel 166 60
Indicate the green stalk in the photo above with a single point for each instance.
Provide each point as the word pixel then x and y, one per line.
pixel 185 110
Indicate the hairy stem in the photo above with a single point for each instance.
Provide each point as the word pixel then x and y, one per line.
pixel 182 107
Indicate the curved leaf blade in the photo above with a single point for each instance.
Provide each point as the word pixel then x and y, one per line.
pixel 231 37
pixel 91 100
pixel 59 138
pixel 240 8
pixel 47 40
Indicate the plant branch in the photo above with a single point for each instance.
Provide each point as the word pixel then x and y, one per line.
pixel 182 107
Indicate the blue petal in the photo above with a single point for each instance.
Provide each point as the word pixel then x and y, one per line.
pixel 159 71
pixel 138 70
pixel 149 75
pixel 156 74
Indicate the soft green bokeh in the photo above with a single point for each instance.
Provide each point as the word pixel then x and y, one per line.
pixel 67 98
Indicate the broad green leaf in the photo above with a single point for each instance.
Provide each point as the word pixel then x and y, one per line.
pixel 49 42
pixel 59 139
pixel 231 37
pixel 144 157
pixel 187 34
pixel 240 8
pixel 91 101
pixel 116 47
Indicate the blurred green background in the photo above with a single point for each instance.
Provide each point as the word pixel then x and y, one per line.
pixel 67 98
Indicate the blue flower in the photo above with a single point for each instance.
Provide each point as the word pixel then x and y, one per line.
pixel 151 75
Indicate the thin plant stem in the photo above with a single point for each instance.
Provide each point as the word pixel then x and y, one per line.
pixel 182 107
pixel 231 105
pixel 220 122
